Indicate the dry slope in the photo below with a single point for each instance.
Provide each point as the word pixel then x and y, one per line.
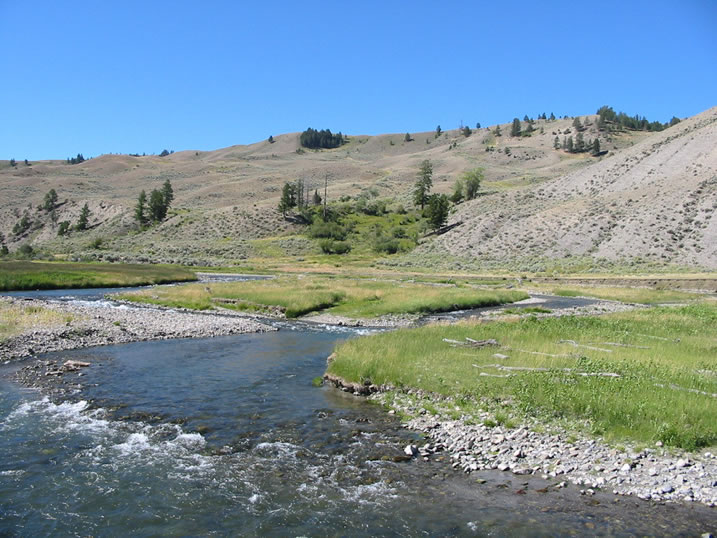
pixel 654 202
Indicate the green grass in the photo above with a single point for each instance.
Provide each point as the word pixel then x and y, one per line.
pixel 298 296
pixel 681 351
pixel 27 275
pixel 629 295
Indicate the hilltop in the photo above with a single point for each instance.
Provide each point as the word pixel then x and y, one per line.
pixel 650 197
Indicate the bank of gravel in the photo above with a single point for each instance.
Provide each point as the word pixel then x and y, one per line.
pixel 97 324
pixel 479 443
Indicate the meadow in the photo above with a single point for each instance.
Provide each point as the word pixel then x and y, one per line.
pixel 32 275
pixel 300 295
pixel 645 375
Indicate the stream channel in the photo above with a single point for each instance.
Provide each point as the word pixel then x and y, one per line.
pixel 228 436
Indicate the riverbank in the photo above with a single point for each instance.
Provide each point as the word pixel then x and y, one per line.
pixel 652 472
pixel 625 402
pixel 98 324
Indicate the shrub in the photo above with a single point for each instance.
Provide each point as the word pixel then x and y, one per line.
pixel 386 245
pixel 328 230
pixel 329 246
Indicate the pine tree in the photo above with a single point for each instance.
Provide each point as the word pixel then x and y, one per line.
pixel 50 200
pixel 288 198
pixel 556 142
pixel 497 131
pixel 140 208
pixel 596 146
pixel 579 143
pixel 317 197
pixel 570 144
pixel 515 128
pixel 157 207
pixel 467 131
pixel 576 123
pixel 84 219
pixel 552 117
pixel 457 195
pixel 407 138
pixel 438 131
pixel 437 210
pixel 167 195
pixel 423 184
pixel 271 139
pixel 299 193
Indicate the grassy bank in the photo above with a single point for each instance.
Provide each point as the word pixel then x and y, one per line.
pixel 644 375
pixel 298 296
pixel 16 319
pixel 28 275
pixel 627 295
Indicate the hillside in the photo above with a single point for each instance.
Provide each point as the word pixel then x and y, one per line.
pixel 540 202
pixel 652 203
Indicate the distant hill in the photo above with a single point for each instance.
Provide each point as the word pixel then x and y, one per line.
pixel 651 196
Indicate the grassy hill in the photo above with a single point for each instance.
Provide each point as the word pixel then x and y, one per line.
pixel 539 203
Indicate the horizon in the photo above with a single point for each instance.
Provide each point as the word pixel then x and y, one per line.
pixel 176 77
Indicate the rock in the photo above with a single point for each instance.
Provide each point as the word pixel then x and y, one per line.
pixel 503 467
pixel 667 488
pixel 625 468
pixel 410 450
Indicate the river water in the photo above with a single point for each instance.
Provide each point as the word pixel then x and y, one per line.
pixel 228 436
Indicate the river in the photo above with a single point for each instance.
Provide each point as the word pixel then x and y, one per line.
pixel 228 436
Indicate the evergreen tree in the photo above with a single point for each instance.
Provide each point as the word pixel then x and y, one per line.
pixel 467 131
pixel 63 228
pixel 50 200
pixel 497 131
pixel 271 139
pixel 579 143
pixel 437 210
pixel 288 198
pixel 552 117
pixel 84 219
pixel 478 125
pixel 139 210
pixel 27 163
pixel 317 197
pixel 157 207
pixel 576 123
pixel 596 146
pixel 12 162
pixel 407 138
pixel 438 131
pixel 529 129
pixel 569 146
pixel 423 184
pixel 313 139
pixel 556 142
pixel 515 128
pixel 299 194
pixel 167 194
pixel 164 153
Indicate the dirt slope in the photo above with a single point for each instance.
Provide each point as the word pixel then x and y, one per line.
pixel 654 202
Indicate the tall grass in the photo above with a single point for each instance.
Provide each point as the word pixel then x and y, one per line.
pixel 15 319
pixel 27 275
pixel 664 354
pixel 343 296
pixel 628 295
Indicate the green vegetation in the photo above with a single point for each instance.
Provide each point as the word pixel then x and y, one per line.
pixel 76 160
pixel 423 185
pixel 23 275
pixel 84 218
pixel 50 201
pixel 313 139
pixel 347 297
pixel 644 375
pixel 16 319
pixel 609 120
pixel 156 209
pixel 628 295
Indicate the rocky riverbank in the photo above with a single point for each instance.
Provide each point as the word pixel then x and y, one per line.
pixel 653 473
pixel 97 324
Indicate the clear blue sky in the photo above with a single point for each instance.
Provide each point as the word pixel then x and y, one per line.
pixel 120 77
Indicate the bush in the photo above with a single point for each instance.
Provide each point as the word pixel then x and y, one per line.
pixel 328 230
pixel 386 245
pixel 329 246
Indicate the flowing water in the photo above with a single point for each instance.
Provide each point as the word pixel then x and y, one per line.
pixel 228 436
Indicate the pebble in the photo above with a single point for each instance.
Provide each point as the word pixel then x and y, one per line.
pixel 652 474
